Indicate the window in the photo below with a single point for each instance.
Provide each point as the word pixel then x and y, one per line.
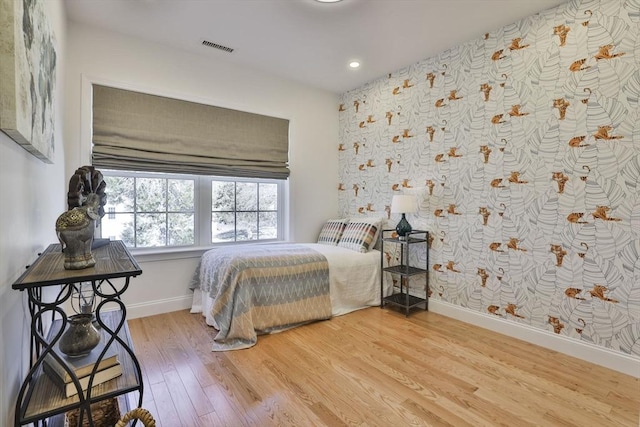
pixel 155 210
pixel 244 211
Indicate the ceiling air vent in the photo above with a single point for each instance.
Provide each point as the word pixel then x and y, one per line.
pixel 217 46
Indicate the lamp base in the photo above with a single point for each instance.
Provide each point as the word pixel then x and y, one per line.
pixel 403 228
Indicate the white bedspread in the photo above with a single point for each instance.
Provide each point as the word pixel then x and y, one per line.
pixel 354 280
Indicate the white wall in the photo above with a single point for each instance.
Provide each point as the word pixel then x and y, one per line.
pixel 32 195
pixel 96 55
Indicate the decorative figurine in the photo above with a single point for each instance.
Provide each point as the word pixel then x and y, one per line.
pixel 75 227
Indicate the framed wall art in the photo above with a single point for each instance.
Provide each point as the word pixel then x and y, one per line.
pixel 27 76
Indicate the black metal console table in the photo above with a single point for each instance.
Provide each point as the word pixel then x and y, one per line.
pixel 39 399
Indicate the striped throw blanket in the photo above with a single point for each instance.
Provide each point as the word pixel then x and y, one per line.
pixel 262 289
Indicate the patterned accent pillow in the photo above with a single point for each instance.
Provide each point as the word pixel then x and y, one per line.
pixel 360 235
pixel 332 231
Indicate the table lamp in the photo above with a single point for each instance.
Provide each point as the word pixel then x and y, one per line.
pixel 403 204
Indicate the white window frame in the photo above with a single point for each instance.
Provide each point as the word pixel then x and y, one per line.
pixel 203 209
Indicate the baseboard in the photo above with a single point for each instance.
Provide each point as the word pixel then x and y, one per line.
pixel 628 365
pixel 150 308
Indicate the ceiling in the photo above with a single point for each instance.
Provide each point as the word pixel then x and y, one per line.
pixel 305 40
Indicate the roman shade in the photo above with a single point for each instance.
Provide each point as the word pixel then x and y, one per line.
pixel 142 132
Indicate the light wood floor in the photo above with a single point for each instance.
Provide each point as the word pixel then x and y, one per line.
pixel 373 367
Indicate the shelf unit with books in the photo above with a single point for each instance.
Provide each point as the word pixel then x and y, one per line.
pixel 40 399
pixel 71 389
pixel 62 377
pixel 81 366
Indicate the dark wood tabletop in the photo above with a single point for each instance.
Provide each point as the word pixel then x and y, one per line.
pixel 112 261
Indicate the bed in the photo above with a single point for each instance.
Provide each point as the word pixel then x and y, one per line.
pixel 247 290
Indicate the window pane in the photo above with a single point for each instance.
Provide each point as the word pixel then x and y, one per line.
pixel 247 226
pixel 246 196
pixel 120 194
pixel 181 193
pixel 268 197
pixel 181 229
pixel 223 195
pixel 268 225
pixel 156 210
pixel 118 227
pixel 223 227
pixel 151 195
pixel 151 230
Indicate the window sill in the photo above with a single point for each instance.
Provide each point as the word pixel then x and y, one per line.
pixel 153 255
pixel 186 252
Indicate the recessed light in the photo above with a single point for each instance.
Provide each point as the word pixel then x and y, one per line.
pixel 354 64
pixel 328 1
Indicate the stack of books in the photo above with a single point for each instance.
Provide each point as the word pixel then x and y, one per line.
pixel 108 369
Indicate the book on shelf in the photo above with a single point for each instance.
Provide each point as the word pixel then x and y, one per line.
pixel 81 366
pixel 69 388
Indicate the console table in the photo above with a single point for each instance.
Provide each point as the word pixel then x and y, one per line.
pixel 39 399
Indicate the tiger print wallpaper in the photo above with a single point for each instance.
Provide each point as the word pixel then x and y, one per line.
pixel 523 149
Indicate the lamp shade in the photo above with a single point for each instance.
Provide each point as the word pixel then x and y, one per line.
pixel 404 204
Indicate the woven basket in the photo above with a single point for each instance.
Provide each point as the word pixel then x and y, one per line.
pixel 137 414
pixel 104 413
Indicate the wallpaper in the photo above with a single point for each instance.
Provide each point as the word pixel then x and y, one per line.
pixel 523 149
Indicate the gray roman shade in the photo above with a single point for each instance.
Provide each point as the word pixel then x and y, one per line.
pixel 141 132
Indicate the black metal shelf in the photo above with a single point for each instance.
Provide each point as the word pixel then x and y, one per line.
pixel 404 270
pixel 409 240
pixel 404 298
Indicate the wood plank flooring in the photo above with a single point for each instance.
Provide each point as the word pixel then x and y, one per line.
pixel 373 367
